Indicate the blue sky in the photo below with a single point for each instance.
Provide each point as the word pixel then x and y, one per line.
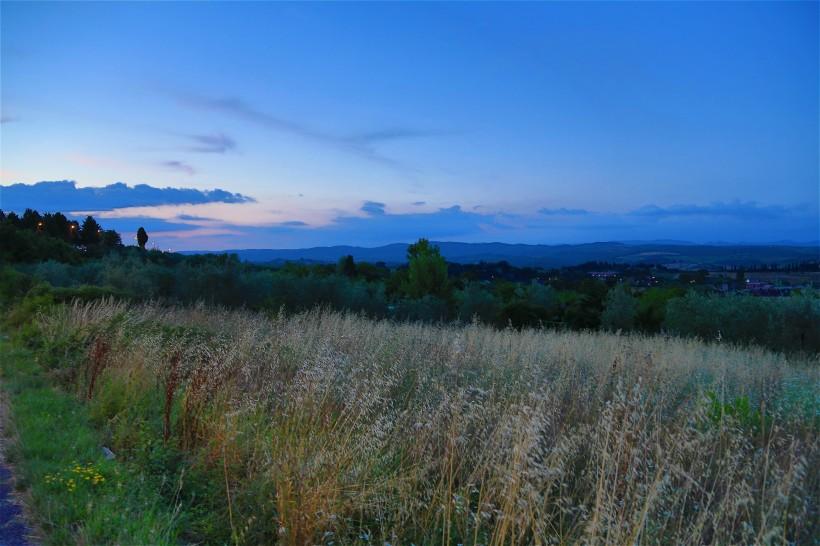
pixel 376 123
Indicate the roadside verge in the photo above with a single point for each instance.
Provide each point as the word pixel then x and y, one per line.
pixel 77 494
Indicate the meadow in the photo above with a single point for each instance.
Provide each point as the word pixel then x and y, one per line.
pixel 325 427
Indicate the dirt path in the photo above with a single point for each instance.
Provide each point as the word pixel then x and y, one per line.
pixel 13 528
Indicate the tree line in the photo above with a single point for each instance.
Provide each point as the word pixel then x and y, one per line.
pixel 53 257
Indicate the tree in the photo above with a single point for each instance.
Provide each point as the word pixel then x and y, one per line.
pixel 13 219
pixel 476 301
pixel 57 225
pixel 696 277
pixel 32 219
pixel 542 296
pixel 522 314
pixel 346 266
pixel 620 310
pixel 372 272
pixel 142 237
pixel 740 279
pixel 426 272
pixel 90 232
pixel 111 238
pixel 25 245
pixel 73 232
pixel 651 310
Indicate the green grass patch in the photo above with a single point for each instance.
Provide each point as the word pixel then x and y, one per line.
pixel 78 496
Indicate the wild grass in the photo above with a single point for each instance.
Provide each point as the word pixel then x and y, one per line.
pixel 328 428
pixel 76 494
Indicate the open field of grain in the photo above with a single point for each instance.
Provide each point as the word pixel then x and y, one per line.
pixel 326 428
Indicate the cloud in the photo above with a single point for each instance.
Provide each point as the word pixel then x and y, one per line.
pixel 457 224
pixel 193 233
pixel 218 143
pixel 128 226
pixel 373 207
pixel 563 212
pixel 8 119
pixel 66 196
pixel 360 144
pixel 194 218
pixel 240 109
pixel 392 133
pixel 184 218
pixel 179 166
pixel 736 209
pixel 450 223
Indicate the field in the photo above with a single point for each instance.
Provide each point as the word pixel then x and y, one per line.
pixel 329 428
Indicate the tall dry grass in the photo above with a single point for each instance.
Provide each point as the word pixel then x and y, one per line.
pixel 329 428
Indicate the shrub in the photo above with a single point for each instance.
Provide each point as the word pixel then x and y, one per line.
pixel 620 310
pixel 13 285
pixel 521 314
pixel 784 324
pixel 477 301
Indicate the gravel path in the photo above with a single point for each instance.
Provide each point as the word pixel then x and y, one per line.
pixel 13 529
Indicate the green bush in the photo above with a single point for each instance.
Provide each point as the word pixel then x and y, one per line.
pixel 22 245
pixel 39 298
pixel 426 309
pixel 521 314
pixel 13 285
pixel 783 324
pixel 477 301
pixel 739 410
pixel 620 310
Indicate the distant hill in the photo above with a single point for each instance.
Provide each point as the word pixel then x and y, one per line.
pixel 677 254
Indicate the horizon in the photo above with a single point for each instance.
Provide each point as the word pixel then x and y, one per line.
pixel 285 126
pixel 647 242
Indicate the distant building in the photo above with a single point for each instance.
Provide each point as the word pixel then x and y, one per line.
pixel 603 275
pixel 759 288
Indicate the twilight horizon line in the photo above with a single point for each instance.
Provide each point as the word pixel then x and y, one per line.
pixel 182 218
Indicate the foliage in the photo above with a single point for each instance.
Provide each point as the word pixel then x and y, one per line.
pixel 784 324
pixel 474 301
pixel 522 314
pixel 17 245
pixel 90 232
pixel 48 248
pixel 542 296
pixel 35 300
pixel 426 272
pixel 429 309
pixel 651 310
pixel 38 237
pixel 142 237
pixel 620 310
pixel 739 410
pixel 346 266
pixel 79 496
pixel 13 286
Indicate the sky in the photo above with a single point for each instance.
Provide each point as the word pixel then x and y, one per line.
pixel 285 125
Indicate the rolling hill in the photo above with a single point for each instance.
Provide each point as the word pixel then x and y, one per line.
pixel 678 254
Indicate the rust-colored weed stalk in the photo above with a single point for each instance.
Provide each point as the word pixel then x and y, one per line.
pixel 97 364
